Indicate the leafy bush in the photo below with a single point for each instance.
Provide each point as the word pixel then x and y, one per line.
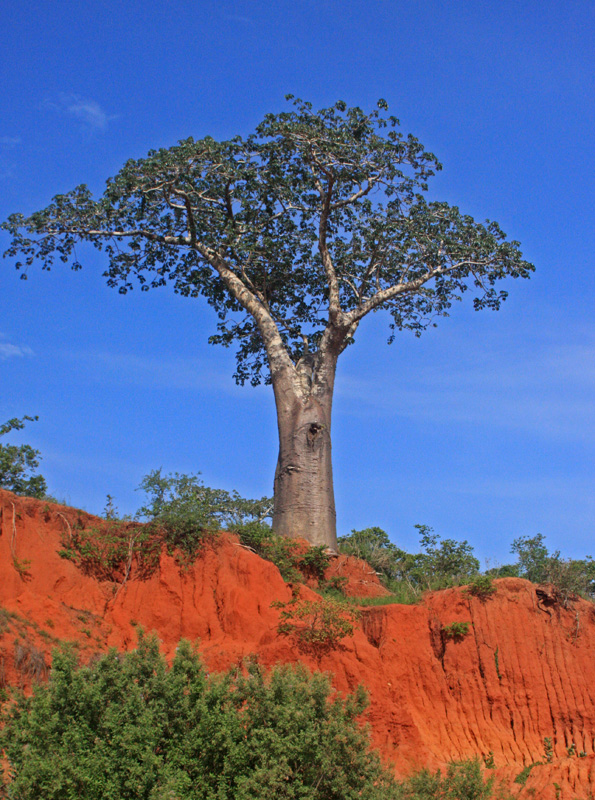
pixel 441 563
pixel 315 561
pixel 287 555
pixel 175 498
pixel 334 586
pixel 462 781
pixel 444 562
pixel 523 775
pixel 108 552
pixel 18 463
pixel 481 586
pixel 126 726
pixel 571 577
pixel 455 631
pixel 374 546
pixel 316 625
pixel 533 557
pixel 188 512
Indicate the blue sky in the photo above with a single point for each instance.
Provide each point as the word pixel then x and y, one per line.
pixel 484 427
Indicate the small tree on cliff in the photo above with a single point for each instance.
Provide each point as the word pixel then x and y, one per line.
pixel 19 462
pixel 293 235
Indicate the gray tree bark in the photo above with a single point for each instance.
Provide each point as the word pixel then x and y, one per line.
pixel 304 500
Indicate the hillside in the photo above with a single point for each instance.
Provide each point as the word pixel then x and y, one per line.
pixel 524 672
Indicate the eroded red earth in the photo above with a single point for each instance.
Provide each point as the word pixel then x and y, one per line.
pixel 523 672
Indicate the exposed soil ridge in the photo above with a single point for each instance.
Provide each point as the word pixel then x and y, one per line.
pixel 522 673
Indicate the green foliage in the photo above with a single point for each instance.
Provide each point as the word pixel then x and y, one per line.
pixel 22 566
pixel 108 552
pixel 286 554
pixel 18 463
pixel 282 552
pixel 548 749
pixel 571 577
pixel 523 775
pixel 462 781
pixel 334 586
pixel 374 546
pixel 481 586
pixel 315 561
pixel 505 571
pixel 497 663
pixel 188 512
pixel 110 511
pixel 316 625
pixel 456 631
pixel 441 563
pixel 533 557
pixel 244 217
pixel 126 726
pixel 444 562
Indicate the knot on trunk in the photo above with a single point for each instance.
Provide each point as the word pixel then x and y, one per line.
pixel 313 432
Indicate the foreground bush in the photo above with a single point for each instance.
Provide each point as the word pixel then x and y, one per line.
pixel 462 781
pixel 129 727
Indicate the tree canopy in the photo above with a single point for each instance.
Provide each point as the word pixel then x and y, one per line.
pixel 306 225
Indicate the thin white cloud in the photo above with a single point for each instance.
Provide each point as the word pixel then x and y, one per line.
pixel 13 351
pixel 548 391
pixel 88 112
pixel 9 141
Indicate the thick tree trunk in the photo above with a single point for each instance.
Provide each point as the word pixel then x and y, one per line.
pixel 304 503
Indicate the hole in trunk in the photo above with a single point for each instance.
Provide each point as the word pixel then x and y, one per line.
pixel 314 429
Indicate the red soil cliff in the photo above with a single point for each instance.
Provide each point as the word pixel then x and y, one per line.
pixel 521 674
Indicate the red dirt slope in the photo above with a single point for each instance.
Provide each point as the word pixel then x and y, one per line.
pixel 522 673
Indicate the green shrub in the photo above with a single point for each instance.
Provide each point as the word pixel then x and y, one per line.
pixel 186 508
pixel 548 749
pixel 440 564
pixel 128 727
pixel 286 554
pixel 462 781
pixel 182 514
pixel 481 586
pixel 108 552
pixel 315 561
pixel 334 586
pixel 571 577
pixel 444 562
pixel 455 631
pixel 374 546
pixel 316 625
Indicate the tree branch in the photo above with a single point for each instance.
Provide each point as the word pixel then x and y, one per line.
pixel 278 356
pixel 335 310
pixel 385 295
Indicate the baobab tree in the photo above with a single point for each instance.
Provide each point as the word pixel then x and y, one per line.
pixel 293 235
